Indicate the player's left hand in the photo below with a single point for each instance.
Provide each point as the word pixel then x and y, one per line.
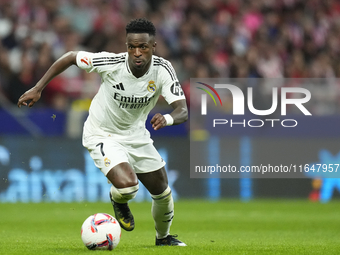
pixel 158 121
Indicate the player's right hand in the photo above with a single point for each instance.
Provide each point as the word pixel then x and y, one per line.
pixel 158 121
pixel 31 96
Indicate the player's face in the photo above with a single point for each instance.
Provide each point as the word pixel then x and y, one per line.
pixel 140 48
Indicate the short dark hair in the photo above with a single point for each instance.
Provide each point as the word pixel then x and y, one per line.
pixel 139 26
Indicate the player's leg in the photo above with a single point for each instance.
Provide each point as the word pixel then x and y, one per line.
pixel 162 208
pixel 124 188
pixel 112 159
pixel 162 205
pixel 123 178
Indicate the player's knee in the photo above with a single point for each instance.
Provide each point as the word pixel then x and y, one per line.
pixel 122 176
pixel 126 183
pixel 131 183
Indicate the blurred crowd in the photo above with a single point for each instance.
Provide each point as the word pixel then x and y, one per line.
pixel 202 39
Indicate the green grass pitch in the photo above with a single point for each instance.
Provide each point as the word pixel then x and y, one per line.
pixel 224 227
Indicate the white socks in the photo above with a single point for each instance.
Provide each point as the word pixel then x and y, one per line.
pixel 123 195
pixel 162 212
pixel 162 207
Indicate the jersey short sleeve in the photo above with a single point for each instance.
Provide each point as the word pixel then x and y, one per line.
pixel 97 62
pixel 171 89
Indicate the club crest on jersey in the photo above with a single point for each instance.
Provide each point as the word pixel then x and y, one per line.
pixel 152 86
pixel 107 162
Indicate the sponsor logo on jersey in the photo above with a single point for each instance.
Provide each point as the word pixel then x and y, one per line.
pixel 152 87
pixel 176 89
pixel 119 86
pixel 132 102
pixel 85 60
pixel 107 162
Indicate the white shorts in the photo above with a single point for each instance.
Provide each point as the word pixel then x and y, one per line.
pixel 107 152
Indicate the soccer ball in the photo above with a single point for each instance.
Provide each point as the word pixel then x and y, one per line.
pixel 100 231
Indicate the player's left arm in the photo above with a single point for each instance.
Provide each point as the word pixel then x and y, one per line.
pixel 177 116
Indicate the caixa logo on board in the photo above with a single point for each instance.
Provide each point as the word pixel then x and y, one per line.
pixel 239 105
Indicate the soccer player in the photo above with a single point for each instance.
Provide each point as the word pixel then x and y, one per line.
pixel 114 132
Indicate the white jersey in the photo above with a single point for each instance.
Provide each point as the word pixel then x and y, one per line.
pixel 123 102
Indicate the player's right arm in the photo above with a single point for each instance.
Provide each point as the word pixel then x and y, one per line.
pixel 60 65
